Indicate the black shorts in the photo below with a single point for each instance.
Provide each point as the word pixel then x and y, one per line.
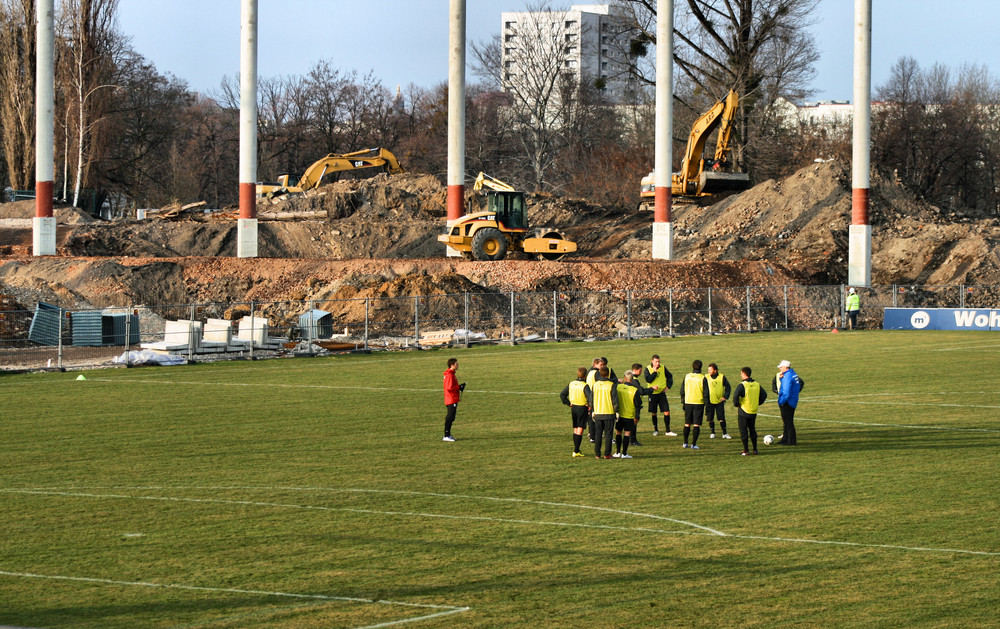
pixel 658 400
pixel 624 424
pixel 693 414
pixel 581 416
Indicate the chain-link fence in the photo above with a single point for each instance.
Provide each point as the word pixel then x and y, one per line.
pixel 57 337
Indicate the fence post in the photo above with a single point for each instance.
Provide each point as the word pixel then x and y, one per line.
pixel 843 306
pixel 312 325
pixel 748 309
pixel 416 321
pixel 128 333
pixel 253 326
pixel 628 315
pixel 59 352
pixel 191 336
pixel 786 307
pixel 468 332
pixel 709 310
pixel 555 316
pixel 366 322
pixel 670 310
pixel 894 292
pixel 961 299
pixel 512 318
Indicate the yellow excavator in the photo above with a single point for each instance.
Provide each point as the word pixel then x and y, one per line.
pixel 503 226
pixel 334 162
pixel 699 177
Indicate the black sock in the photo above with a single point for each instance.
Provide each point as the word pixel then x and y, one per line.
pixel 694 434
pixel 711 426
pixel 625 445
pixel 577 439
pixel 618 443
pixel 666 422
pixel 655 424
pixel 722 424
pixel 687 433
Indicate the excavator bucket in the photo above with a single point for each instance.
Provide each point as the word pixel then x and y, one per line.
pixel 713 182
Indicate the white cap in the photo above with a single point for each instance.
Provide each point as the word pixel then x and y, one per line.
pixel 851 290
pixel 784 363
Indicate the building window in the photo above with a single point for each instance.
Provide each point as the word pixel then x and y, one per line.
pixel 509 24
pixel 510 38
pixel 570 24
pixel 570 50
pixel 571 63
pixel 604 65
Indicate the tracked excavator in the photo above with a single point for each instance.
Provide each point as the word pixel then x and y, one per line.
pixel 701 177
pixel 503 226
pixel 334 162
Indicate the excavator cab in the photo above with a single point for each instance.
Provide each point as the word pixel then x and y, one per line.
pixel 508 207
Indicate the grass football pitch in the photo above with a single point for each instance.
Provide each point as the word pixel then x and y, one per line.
pixel 318 493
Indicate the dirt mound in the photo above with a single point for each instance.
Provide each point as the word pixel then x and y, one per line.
pixel 377 238
pixel 65 214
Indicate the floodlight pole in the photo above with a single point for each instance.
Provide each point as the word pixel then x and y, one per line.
pixel 247 223
pixel 44 223
pixel 663 228
pixel 456 115
pixel 859 261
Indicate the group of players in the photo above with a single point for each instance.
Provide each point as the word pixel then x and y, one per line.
pixel 607 405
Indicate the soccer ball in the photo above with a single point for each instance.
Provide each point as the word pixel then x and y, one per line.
pixel 768 440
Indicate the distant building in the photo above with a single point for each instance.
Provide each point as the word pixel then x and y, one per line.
pixel 586 43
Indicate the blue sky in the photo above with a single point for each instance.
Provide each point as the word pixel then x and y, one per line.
pixel 405 41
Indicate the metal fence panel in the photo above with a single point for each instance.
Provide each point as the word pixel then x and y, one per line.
pixel 53 337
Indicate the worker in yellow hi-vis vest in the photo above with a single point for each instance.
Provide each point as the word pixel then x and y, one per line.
pixel 747 398
pixel 694 395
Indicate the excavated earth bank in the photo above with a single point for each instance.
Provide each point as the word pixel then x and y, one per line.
pixel 376 238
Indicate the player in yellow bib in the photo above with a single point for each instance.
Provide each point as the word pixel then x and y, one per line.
pixel 719 390
pixel 747 398
pixel 577 397
pixel 605 409
pixel 694 395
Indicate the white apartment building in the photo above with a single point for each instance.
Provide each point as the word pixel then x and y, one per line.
pixel 585 42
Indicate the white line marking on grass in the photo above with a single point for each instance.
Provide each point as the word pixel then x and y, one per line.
pixel 860 545
pixel 883 425
pixel 448 609
pixel 253 503
pixel 436 390
pixel 704 531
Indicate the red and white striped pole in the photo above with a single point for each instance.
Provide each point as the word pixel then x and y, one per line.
pixel 44 224
pixel 456 114
pixel 246 241
pixel 663 228
pixel 859 253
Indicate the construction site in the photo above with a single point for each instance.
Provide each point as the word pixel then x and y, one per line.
pixel 364 256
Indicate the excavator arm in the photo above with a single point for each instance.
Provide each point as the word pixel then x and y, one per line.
pixel 491 183
pixel 371 158
pixel 722 112
pixel 334 162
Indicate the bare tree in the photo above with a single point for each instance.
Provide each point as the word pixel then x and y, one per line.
pixel 937 133
pixel 541 91
pixel 17 90
pixel 760 48
pixel 92 43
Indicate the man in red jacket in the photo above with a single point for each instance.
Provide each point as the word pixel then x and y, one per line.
pixel 452 395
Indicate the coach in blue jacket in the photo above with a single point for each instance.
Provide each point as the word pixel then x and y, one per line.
pixel 788 385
